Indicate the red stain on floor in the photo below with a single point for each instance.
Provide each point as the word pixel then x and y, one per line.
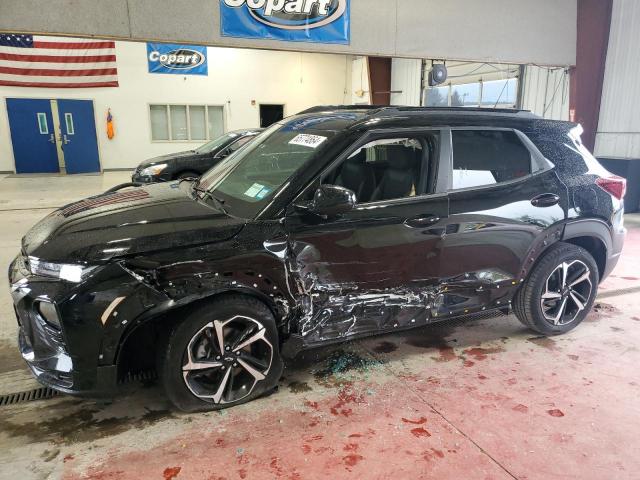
pixel 480 353
pixel 420 421
pixel 171 472
pixel 420 432
pixel 432 454
pixel 555 413
pixel 346 396
pixel 468 363
pixel 446 354
pixel 521 408
pixel 352 459
pixel 313 405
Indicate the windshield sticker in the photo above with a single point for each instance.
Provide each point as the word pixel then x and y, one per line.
pixel 254 190
pixel 307 140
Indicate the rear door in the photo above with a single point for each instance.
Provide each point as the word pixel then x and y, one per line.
pixel 375 268
pixel 504 203
pixel 32 135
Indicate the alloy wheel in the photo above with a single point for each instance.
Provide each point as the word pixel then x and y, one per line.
pixel 566 292
pixel 225 359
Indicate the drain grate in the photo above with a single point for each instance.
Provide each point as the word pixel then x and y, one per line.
pixel 44 393
pixel 41 393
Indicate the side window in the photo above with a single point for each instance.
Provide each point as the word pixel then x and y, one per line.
pixel 486 157
pixel 386 169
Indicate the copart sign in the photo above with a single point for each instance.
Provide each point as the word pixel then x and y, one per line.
pixel 322 21
pixel 177 59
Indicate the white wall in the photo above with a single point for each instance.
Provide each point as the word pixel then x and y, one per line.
pixel 406 77
pixel 236 77
pixel 546 92
pixel 618 133
pixel 360 93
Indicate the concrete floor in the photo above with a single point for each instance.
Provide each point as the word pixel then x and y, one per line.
pixel 480 399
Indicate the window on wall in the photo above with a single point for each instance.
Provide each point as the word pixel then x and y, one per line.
pixel 183 123
pixel 489 94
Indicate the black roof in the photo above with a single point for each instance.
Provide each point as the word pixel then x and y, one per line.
pixel 343 117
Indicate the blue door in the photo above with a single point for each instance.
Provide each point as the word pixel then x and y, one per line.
pixel 79 141
pixel 32 135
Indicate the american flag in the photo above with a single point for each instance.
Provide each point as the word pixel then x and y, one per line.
pixel 39 61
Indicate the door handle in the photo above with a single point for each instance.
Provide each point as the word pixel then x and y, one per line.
pixel 420 221
pixel 64 139
pixel 545 200
pixel 52 138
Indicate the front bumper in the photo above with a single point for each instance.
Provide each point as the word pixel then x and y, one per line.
pixel 45 348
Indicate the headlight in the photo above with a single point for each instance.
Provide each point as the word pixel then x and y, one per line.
pixel 63 271
pixel 153 170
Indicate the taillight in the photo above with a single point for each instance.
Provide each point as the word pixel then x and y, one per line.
pixel 616 186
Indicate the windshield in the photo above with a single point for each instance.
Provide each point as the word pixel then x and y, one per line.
pixel 217 142
pixel 247 179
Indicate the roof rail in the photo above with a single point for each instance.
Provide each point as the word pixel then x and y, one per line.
pixel 326 108
pixel 400 108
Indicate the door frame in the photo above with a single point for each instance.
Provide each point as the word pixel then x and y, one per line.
pixel 93 103
pixel 284 108
pixel 442 163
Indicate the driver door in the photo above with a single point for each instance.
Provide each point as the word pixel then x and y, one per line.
pixel 376 267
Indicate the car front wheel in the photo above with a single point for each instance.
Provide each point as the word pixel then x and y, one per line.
pixel 559 292
pixel 224 353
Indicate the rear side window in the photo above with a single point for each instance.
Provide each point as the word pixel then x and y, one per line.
pixel 487 157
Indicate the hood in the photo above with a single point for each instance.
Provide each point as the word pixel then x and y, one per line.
pixel 170 157
pixel 128 222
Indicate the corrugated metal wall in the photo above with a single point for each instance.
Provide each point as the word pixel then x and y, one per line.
pixel 546 92
pixel 618 134
pixel 406 75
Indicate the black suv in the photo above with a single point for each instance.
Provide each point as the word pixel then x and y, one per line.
pixel 192 163
pixel 333 224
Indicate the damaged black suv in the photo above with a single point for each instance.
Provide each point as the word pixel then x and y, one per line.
pixel 333 224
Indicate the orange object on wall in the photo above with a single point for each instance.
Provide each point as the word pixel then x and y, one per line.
pixel 110 130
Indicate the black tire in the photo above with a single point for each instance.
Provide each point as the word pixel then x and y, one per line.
pixel 185 175
pixel 174 357
pixel 527 302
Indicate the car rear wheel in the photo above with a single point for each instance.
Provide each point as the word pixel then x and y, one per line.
pixel 559 292
pixel 223 354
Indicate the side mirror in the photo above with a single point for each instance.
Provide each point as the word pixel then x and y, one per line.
pixel 331 200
